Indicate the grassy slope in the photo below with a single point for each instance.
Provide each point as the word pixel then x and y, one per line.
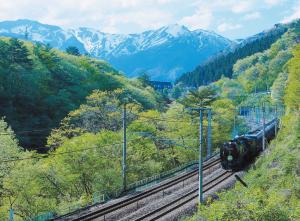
pixel 274 180
pixel 274 184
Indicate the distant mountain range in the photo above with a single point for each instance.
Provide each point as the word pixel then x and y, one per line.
pixel 164 53
pixel 222 64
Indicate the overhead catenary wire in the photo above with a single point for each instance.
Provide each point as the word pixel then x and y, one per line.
pixel 46 155
pixel 42 156
pixel 26 131
pixel 163 119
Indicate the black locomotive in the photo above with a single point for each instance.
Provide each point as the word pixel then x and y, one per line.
pixel 239 152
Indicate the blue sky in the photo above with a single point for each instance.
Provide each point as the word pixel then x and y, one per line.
pixel 230 18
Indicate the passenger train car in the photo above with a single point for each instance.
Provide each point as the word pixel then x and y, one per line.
pixel 239 152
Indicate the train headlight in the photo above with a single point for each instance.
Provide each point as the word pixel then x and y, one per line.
pixel 229 158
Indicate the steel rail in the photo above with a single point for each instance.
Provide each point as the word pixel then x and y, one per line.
pixel 111 208
pixel 191 195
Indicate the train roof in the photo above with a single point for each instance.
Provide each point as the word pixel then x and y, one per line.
pixel 259 131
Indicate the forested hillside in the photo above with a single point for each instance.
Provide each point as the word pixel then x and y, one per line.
pixel 85 155
pixel 39 86
pixel 222 65
pixel 73 106
pixel 273 191
pixel 84 150
pixel 273 182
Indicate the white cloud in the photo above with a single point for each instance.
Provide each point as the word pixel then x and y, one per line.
pixel 224 27
pixel 144 19
pixel 252 16
pixel 114 15
pixel 206 12
pixel 295 14
pixel 242 6
pixel 201 19
pixel 273 2
pixel 128 16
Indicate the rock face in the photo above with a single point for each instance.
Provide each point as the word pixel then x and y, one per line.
pixel 164 53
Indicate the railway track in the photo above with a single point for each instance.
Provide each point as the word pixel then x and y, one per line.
pixel 102 212
pixel 184 199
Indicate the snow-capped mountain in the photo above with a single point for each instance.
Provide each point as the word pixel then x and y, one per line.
pixel 164 53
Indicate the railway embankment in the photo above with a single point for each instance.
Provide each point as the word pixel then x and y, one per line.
pixel 273 191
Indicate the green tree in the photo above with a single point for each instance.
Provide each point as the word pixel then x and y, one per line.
pixel 26 189
pixel 102 111
pixel 18 53
pixel 36 97
pixel 73 50
pixel 292 95
pixel 144 78
pixel 177 91
pixel 278 88
pixel 9 150
pixel 204 96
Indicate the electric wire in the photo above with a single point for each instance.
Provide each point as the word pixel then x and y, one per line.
pixel 6 160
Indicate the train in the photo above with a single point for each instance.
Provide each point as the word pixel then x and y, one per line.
pixel 239 152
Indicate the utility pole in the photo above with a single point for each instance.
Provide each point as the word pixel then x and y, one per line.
pixel 11 214
pixel 256 115
pixel 234 133
pixel 124 149
pixel 277 121
pixel 208 152
pixel 200 158
pixel 264 135
pixel 201 109
pixel 259 115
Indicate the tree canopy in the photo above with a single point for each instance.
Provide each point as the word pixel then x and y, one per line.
pixel 39 86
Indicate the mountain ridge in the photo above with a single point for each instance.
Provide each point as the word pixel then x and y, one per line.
pixel 164 53
pixel 222 63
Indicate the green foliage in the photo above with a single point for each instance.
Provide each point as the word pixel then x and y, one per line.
pixel 102 111
pixel 177 91
pixel 73 50
pixel 26 189
pixel 223 118
pixel 204 96
pixel 144 78
pixel 8 149
pixel 292 96
pixel 223 64
pixel 278 88
pixel 230 88
pixel 243 64
pixel 39 86
pixel 83 98
pixel 18 53
pixel 273 191
pixel 256 74
pixel 259 71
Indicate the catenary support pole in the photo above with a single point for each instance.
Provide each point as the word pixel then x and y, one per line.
pixel 256 115
pixel 11 214
pixel 276 117
pixel 234 126
pixel 264 132
pixel 200 158
pixel 201 110
pixel 209 130
pixel 124 150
